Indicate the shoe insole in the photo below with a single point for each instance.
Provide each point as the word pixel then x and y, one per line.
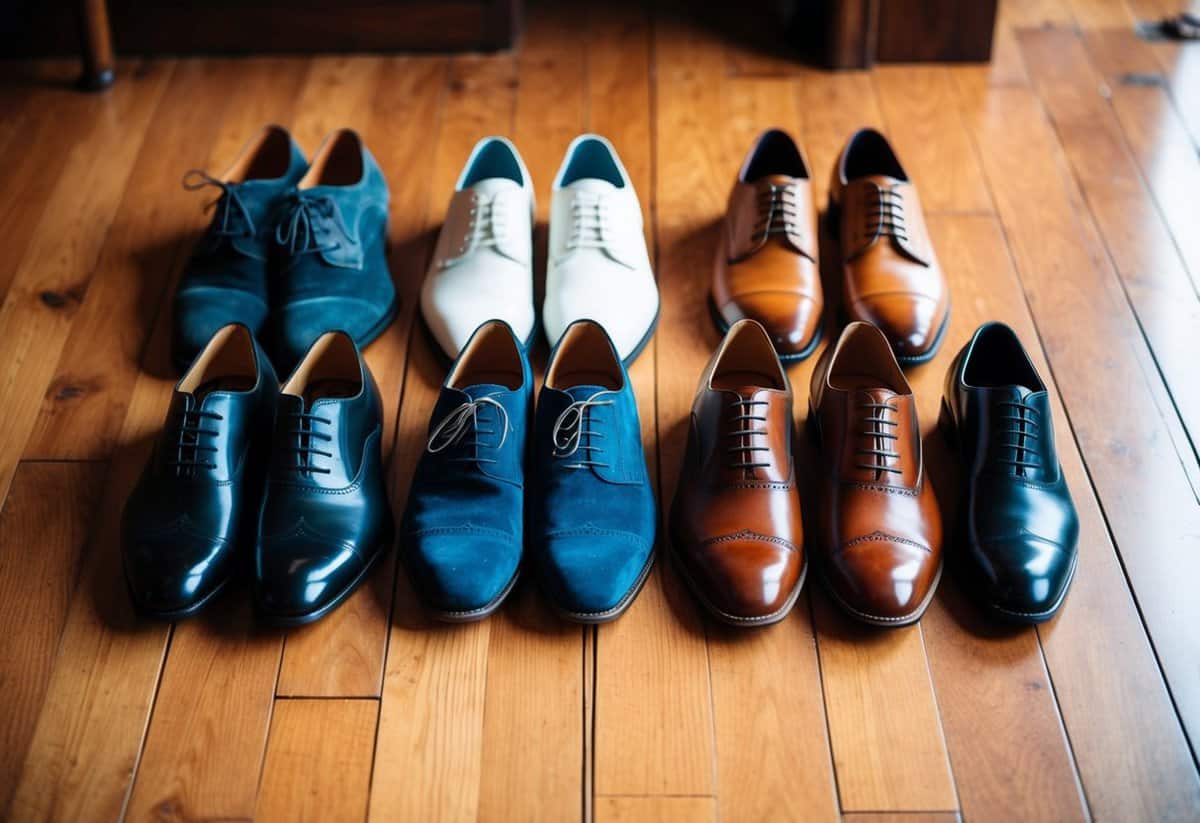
pixel 324 389
pixel 735 380
pixel 585 377
pixel 229 384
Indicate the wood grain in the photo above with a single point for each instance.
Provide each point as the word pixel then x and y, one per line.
pixel 655 810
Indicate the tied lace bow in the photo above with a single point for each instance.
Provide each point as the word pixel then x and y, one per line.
pixel 876 458
pixel 572 425
pixel 304 217
pixel 1022 422
pixel 234 218
pixel 463 418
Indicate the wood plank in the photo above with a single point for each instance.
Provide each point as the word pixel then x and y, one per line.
pixel 342 655
pixel 1150 518
pixel 653 704
pixel 52 279
pixel 318 763
pixel 655 809
pixel 151 234
pixel 43 529
pixel 901 817
pixel 1094 14
pixel 429 745
pixel 338 93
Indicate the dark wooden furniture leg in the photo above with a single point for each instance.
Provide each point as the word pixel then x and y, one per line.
pixel 97 45
pixel 851 33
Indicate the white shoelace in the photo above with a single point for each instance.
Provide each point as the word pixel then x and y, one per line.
pixel 463 418
pixel 589 222
pixel 487 227
pixel 568 431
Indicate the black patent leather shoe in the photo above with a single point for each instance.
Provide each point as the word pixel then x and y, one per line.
pixel 1017 525
pixel 191 516
pixel 326 518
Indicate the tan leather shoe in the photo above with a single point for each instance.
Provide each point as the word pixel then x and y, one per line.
pixel 735 523
pixel 880 540
pixel 891 276
pixel 767 266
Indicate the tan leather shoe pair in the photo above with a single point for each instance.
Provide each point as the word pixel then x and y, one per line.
pixel 736 526
pixel 768 266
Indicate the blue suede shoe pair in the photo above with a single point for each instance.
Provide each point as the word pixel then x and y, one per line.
pixel 587 512
pixel 298 244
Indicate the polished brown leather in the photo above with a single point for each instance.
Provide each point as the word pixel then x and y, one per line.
pixel 891 275
pixel 767 267
pixel 880 533
pixel 735 522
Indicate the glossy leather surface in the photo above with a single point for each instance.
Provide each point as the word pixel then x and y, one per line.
pixel 592 516
pixel 890 273
pixel 463 528
pixel 767 265
pixel 332 248
pixel 225 281
pixel 880 540
pixel 325 517
pixel 736 521
pixel 190 519
pixel 1018 524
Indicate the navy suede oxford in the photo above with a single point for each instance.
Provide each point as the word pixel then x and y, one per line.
pixel 332 239
pixel 191 516
pixel 325 517
pixel 225 280
pixel 592 513
pixel 463 527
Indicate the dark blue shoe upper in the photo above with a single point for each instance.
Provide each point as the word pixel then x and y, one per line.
pixel 331 243
pixel 226 279
pixel 592 515
pixel 326 515
pixel 192 513
pixel 464 524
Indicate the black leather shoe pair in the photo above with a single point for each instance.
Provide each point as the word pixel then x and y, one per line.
pixel 292 475
pixel 1018 528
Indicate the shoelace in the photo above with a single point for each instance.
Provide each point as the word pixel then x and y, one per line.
pixel 462 418
pixel 188 448
pixel 487 227
pixel 589 221
pixel 303 449
pixel 744 413
pixel 234 219
pixel 1023 422
pixel 777 212
pixel 303 214
pixel 873 427
pixel 886 215
pixel 569 431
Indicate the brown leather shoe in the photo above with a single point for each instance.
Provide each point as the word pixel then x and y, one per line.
pixel 880 541
pixel 767 265
pixel 891 275
pixel 735 523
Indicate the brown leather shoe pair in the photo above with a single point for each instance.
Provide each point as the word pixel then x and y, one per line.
pixel 767 266
pixel 736 524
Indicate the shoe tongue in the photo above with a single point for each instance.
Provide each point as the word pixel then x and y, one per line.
pixel 777 179
pixel 492 185
pixel 593 185
pixel 882 180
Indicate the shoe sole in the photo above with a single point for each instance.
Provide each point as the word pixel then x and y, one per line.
pixel 291 620
pixel 608 615
pixel 791 357
pixel 472 615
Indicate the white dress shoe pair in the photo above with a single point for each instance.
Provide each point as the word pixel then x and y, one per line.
pixel 598 266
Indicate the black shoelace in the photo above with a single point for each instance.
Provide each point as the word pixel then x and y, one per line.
pixel 886 215
pixel 874 420
pixel 741 453
pixel 233 218
pixel 303 215
pixel 303 450
pixel 190 453
pixel 1021 423
pixel 575 423
pixel 777 212
pixel 465 418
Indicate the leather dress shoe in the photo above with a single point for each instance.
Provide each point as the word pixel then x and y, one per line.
pixel 190 519
pixel 225 281
pixel 735 523
pixel 767 265
pixel 880 541
pixel 891 276
pixel 592 517
pixel 332 249
pixel 463 528
pixel 325 517
pixel 1017 523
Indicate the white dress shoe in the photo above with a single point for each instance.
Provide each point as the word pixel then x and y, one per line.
pixel 598 266
pixel 482 268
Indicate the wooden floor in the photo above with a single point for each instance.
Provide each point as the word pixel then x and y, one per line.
pixel 1061 189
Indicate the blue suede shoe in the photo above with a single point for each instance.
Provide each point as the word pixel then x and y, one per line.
pixel 463 529
pixel 226 279
pixel 332 236
pixel 592 517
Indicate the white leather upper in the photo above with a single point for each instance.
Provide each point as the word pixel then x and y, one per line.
pixel 598 267
pixel 482 267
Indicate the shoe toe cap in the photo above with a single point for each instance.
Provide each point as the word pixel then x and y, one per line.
pixel 1026 576
pixel 744 577
pixel 461 573
pixel 792 320
pixel 301 576
pixel 200 313
pixel 590 574
pixel 299 324
pixel 175 575
pixel 884 580
pixel 910 322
